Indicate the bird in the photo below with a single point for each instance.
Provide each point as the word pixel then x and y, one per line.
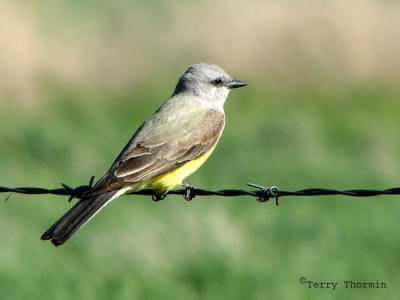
pixel 169 146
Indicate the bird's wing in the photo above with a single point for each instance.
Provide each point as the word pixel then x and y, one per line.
pixel 165 147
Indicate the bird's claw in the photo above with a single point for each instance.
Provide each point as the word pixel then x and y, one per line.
pixel 190 191
pixel 157 197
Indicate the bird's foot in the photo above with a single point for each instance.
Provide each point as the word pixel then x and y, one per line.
pixel 157 196
pixel 190 191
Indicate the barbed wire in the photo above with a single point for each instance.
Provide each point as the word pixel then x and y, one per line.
pixel 262 194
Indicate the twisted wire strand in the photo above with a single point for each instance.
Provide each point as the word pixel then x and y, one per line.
pixel 262 193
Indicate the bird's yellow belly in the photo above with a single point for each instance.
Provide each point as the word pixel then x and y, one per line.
pixel 168 181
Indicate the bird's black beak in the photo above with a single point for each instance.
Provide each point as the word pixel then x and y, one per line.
pixel 236 84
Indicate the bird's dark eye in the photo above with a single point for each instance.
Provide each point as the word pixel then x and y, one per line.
pixel 218 82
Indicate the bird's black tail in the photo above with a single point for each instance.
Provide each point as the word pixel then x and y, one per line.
pixel 76 217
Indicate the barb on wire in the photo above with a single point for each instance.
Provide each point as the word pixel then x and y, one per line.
pixel 262 194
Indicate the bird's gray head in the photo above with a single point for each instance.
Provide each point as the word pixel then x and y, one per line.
pixel 209 82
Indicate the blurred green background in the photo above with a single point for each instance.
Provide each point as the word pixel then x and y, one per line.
pixel 322 110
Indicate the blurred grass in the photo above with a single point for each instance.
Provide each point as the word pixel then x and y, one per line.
pixel 321 110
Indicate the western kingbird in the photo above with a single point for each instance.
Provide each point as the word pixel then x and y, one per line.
pixel 169 146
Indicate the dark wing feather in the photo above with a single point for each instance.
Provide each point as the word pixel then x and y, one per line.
pixel 148 160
